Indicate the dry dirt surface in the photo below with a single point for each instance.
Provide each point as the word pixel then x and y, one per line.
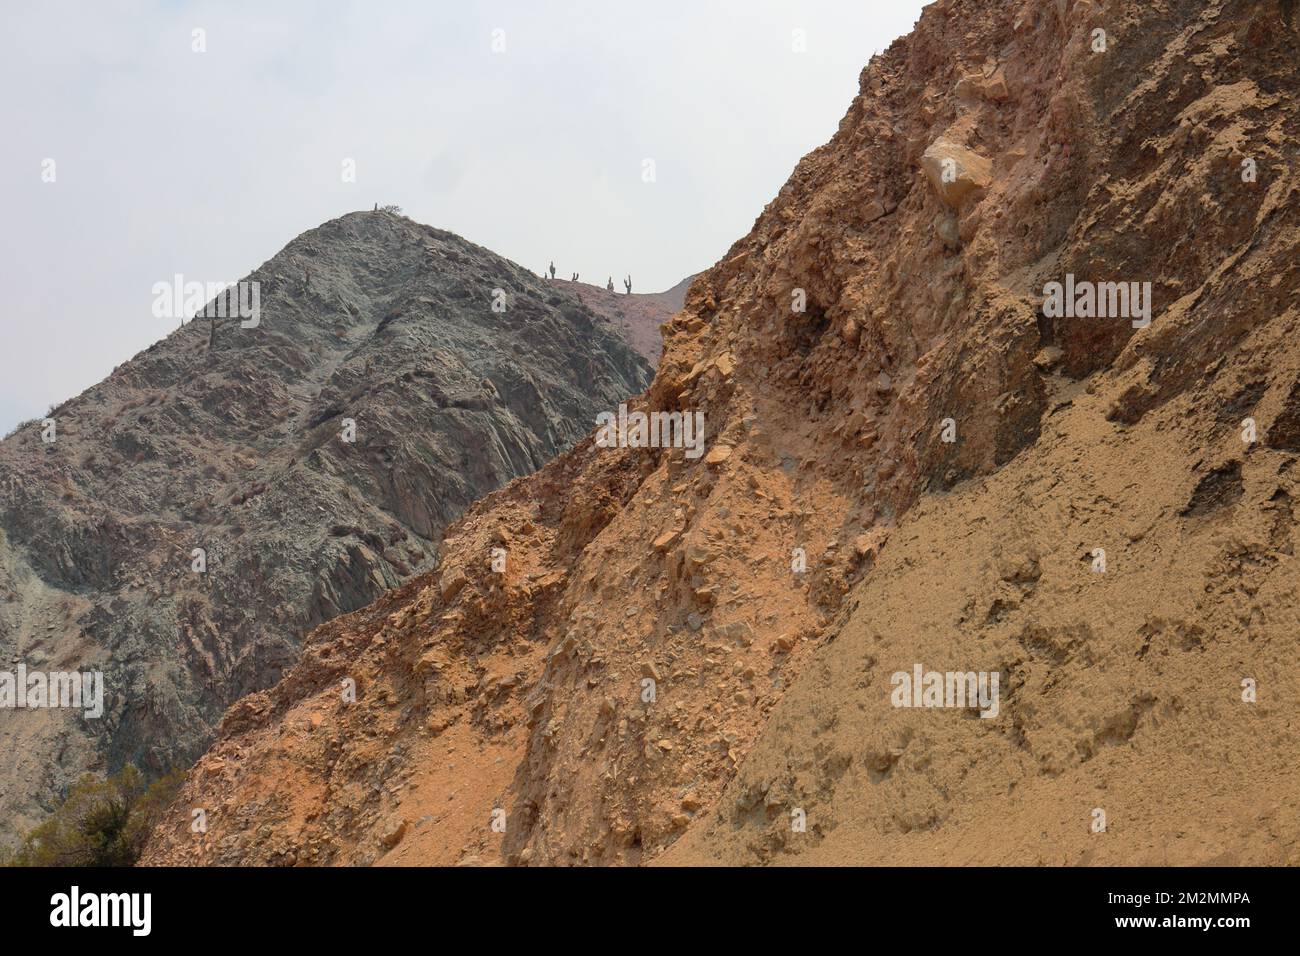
pixel 694 660
pixel 230 440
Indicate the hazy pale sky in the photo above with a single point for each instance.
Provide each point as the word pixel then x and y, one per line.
pixel 168 160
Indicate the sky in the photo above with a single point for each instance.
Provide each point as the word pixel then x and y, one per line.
pixel 611 136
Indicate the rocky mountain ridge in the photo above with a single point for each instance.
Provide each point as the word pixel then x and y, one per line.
pixel 232 487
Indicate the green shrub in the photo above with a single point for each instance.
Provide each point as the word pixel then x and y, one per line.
pixel 103 822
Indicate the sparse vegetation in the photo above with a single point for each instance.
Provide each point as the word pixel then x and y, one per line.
pixel 23 425
pixel 102 822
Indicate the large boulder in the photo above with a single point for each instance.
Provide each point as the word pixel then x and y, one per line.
pixel 955 171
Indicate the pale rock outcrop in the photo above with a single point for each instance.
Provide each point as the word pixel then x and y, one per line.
pixel 955 171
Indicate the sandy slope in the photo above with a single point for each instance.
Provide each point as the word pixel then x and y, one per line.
pixel 1120 690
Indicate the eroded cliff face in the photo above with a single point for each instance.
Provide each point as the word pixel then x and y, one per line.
pixel 231 440
pixel 654 662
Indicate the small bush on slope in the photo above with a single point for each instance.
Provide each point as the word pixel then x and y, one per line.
pixel 103 822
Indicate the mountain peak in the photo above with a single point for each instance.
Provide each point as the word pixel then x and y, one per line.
pixel 396 373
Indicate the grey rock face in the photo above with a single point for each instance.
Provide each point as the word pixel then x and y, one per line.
pixel 228 439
